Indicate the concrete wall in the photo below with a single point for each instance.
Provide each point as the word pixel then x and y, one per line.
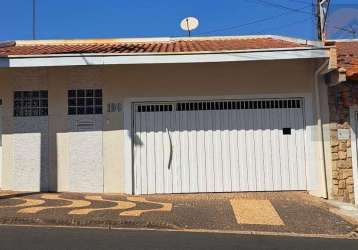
pixel 126 81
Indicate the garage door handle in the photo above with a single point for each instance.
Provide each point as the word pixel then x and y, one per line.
pixel 170 149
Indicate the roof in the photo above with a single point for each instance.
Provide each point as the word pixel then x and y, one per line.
pixel 347 57
pixel 150 46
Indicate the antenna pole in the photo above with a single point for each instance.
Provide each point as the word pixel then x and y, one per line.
pixel 319 19
pixel 34 19
pixel 322 8
pixel 187 24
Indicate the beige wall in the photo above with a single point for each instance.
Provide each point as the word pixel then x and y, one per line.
pixel 126 81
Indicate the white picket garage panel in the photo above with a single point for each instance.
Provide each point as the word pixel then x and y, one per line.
pixel 219 146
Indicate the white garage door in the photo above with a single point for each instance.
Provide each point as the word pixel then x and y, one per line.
pixel 219 146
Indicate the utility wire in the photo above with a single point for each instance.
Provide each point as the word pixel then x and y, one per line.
pixel 310 3
pixel 267 3
pixel 251 23
pixel 289 25
pixel 351 30
pixel 301 1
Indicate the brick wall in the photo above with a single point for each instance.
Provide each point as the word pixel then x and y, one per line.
pixel 341 97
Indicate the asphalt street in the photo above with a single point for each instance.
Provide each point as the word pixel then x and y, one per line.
pixel 24 237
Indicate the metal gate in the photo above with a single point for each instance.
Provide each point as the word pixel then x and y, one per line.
pixel 219 146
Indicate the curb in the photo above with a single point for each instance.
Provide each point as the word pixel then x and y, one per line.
pixel 153 226
pixel 350 236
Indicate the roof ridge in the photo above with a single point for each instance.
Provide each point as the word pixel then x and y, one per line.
pixel 151 40
pixel 86 41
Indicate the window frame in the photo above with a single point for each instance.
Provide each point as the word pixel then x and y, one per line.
pixel 30 103
pixel 85 102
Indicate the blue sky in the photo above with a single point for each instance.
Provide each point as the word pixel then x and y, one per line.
pixel 58 19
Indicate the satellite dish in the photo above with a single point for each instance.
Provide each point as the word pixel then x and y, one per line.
pixel 189 24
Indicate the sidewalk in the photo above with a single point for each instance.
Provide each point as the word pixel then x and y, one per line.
pixel 348 211
pixel 282 212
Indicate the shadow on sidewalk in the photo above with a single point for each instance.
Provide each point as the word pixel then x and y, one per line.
pixel 17 195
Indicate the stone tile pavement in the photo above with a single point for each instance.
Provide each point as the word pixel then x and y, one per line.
pixel 288 212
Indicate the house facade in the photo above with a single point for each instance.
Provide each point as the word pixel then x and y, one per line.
pixel 221 114
pixel 343 103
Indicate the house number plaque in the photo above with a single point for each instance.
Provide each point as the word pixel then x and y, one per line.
pixel 114 107
pixel 343 134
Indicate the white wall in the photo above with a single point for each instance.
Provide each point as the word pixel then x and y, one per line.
pixel 123 82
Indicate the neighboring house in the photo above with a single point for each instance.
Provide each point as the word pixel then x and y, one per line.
pixel 343 102
pixel 181 115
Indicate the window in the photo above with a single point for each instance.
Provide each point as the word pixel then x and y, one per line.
pixel 222 105
pixel 31 103
pixel 241 104
pixel 155 108
pixel 85 102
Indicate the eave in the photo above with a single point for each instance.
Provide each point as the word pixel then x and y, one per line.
pixel 23 61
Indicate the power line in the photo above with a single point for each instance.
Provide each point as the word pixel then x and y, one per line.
pixel 280 6
pixel 351 30
pixel 287 25
pixel 301 1
pixel 307 3
pixel 250 23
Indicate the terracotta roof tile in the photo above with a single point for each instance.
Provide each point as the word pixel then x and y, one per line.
pixel 174 46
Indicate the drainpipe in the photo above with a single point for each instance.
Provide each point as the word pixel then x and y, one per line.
pixel 321 152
